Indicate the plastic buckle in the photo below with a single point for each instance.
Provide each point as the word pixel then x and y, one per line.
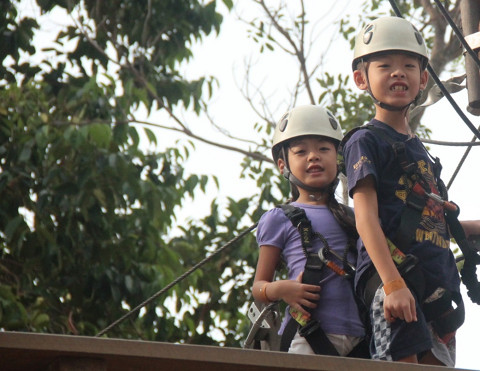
pixel 415 201
pixel 314 262
pixel 408 264
pixel 309 328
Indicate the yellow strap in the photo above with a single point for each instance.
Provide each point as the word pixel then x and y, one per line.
pixel 397 255
pixel 299 316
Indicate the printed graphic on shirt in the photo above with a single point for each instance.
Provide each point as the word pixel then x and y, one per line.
pixel 432 224
pixel 363 160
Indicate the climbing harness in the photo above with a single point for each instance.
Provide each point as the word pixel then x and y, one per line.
pixel 439 310
pixel 311 329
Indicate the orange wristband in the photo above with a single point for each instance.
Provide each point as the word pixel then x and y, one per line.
pixel 394 285
pixel 263 292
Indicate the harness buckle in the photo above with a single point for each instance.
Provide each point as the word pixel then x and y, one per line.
pixel 309 328
pixel 313 262
pixel 415 201
pixel 408 263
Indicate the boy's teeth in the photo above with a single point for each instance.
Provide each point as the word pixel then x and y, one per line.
pixel 398 87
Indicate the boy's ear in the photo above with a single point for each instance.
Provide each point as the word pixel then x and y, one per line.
pixel 360 80
pixel 423 79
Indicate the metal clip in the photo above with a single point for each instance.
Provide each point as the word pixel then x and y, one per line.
pixel 334 267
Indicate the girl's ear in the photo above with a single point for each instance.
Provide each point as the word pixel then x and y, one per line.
pixel 423 79
pixel 360 80
pixel 281 165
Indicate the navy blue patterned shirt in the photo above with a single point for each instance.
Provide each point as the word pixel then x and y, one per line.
pixel 367 153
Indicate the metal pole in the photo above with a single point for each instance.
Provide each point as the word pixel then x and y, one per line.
pixel 470 14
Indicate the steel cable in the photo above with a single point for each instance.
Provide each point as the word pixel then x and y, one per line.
pixel 447 95
pixel 177 280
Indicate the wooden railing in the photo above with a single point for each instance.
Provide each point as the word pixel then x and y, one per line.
pixel 35 352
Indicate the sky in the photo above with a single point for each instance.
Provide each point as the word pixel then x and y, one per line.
pixel 225 56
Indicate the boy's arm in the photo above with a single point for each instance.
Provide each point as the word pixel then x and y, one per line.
pixel 399 303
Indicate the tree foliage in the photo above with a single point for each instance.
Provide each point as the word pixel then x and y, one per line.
pixel 85 212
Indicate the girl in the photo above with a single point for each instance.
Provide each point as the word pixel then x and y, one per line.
pixel 305 149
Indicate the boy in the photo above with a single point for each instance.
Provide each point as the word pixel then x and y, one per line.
pixel 390 174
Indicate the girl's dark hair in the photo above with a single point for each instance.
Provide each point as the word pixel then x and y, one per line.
pixel 343 215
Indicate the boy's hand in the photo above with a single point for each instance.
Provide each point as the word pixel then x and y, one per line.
pixel 400 304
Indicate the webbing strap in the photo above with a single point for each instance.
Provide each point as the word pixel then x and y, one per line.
pixel 311 330
pixel 409 220
pixel 300 221
pixel 468 272
pixel 445 319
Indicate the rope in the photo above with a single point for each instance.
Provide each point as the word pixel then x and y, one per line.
pixel 460 164
pixel 474 56
pixel 177 280
pixel 473 143
pixel 447 95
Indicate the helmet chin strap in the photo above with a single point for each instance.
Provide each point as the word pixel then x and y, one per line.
pixel 293 179
pixel 387 106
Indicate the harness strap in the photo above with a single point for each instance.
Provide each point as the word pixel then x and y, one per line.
pixel 444 318
pixel 313 333
pixel 300 221
pixel 408 268
pixel 319 342
pixel 415 200
pixel 468 272
pixel 311 330
pixel 409 220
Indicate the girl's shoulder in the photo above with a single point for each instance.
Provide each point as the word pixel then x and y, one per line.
pixel 275 215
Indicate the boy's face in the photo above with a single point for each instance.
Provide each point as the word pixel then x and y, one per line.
pixel 394 79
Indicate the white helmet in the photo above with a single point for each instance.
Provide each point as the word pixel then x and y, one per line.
pixel 389 34
pixel 305 120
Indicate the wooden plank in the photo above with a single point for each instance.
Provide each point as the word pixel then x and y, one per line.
pixel 36 352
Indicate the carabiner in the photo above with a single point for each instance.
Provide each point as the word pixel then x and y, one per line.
pixel 334 267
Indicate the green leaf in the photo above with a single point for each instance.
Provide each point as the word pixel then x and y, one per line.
pixel 101 134
pixel 228 4
pixel 12 227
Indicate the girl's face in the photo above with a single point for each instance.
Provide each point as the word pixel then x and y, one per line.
pixel 394 79
pixel 313 160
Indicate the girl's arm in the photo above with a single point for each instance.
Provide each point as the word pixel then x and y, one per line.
pixel 400 302
pixel 294 293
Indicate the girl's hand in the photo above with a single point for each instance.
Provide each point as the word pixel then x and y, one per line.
pixel 299 295
pixel 400 304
